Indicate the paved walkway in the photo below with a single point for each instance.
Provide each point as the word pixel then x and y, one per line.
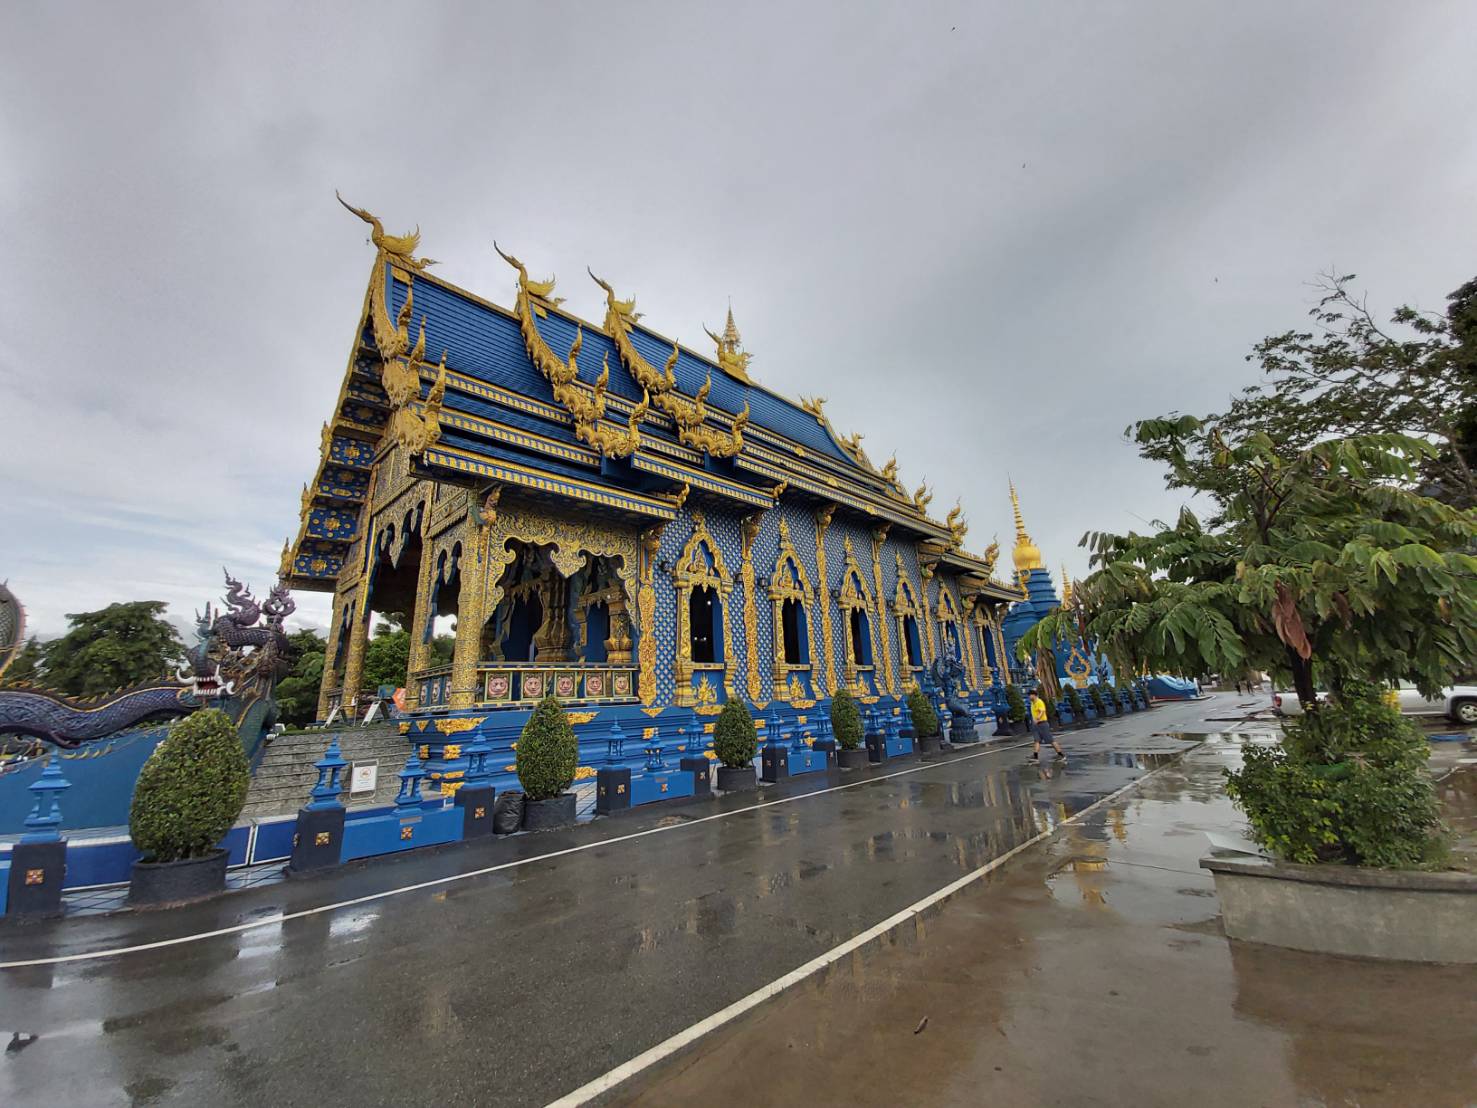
pixel 514 971
pixel 1092 970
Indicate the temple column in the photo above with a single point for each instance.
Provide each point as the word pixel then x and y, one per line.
pixel 354 664
pixel 330 682
pixel 929 648
pixel 822 524
pixel 879 536
pixel 750 531
pixel 420 627
pixel 651 545
pixel 469 616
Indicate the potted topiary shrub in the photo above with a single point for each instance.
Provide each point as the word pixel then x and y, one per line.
pixel 846 723
pixel 1018 714
pixel 926 728
pixel 187 796
pixel 547 756
pixel 735 741
pixel 1074 698
pixel 1347 807
pixel 1095 693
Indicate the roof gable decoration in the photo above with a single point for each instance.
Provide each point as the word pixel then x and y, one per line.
pixel 690 416
pixel 413 429
pixel 586 407
pixel 733 359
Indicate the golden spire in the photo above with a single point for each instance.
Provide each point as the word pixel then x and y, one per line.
pixel 732 358
pixel 1027 554
pixel 730 330
pixel 1066 587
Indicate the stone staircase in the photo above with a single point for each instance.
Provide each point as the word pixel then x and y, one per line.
pixel 286 776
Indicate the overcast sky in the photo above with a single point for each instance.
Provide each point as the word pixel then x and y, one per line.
pixel 993 235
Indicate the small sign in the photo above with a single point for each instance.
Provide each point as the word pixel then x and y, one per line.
pixel 363 778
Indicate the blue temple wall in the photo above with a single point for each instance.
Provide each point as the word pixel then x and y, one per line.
pixel 101 775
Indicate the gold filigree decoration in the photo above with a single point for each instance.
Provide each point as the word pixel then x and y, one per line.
pixel 749 530
pixel 789 581
pixel 814 405
pixel 879 539
pixel 795 694
pixel 889 471
pixel 823 518
pixel 651 544
pixel 580 717
pixel 957 525
pixel 921 497
pixel 457 726
pixel 414 428
pixel 585 404
pixel 690 415
pixel 732 358
pixel 700 565
pixel 1077 666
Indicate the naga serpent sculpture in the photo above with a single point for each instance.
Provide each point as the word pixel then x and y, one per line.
pixel 234 663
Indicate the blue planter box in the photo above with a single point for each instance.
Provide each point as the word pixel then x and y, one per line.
pixel 808 760
pixel 896 748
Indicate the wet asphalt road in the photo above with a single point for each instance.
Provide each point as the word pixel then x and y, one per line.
pixel 516 986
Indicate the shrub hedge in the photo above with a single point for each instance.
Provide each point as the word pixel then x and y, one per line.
pixel 925 719
pixel 1074 698
pixel 735 740
pixel 1013 697
pixel 846 720
pixel 191 789
pixel 548 752
pixel 1348 785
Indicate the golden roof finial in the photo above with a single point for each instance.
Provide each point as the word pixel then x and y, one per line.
pixel 730 330
pixel 1066 587
pixel 1027 554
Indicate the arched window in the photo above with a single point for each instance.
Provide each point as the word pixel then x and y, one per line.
pixel 855 600
pixel 702 585
pixel 911 646
pixel 790 596
pixel 704 627
pixel 861 638
pixel 905 606
pixel 792 621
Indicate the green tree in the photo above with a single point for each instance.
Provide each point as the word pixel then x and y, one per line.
pixel 1350 375
pixel 1015 703
pixel 1348 785
pixel 116 646
pixel 297 693
pixel 1322 565
pixel 387 656
pixel 27 666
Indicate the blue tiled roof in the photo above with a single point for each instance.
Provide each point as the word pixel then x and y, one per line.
pixel 479 342
pixel 484 343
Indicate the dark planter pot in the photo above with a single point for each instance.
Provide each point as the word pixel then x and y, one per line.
pixel 928 744
pixel 737 779
pixel 547 815
pixel 854 759
pixel 155 884
pixel 1021 728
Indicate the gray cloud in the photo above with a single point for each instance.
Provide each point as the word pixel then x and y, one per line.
pixel 992 235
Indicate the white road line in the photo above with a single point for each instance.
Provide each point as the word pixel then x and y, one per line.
pixel 665 1049
pixel 273 920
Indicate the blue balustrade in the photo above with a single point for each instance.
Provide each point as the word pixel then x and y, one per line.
pixel 44 823
pixel 326 790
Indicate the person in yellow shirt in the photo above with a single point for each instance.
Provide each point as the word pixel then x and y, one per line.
pixel 1042 728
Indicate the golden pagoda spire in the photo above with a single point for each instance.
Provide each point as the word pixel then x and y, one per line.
pixel 730 330
pixel 1066 587
pixel 1027 554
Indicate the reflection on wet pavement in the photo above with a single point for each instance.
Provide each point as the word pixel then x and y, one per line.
pixel 1092 970
pixel 518 985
